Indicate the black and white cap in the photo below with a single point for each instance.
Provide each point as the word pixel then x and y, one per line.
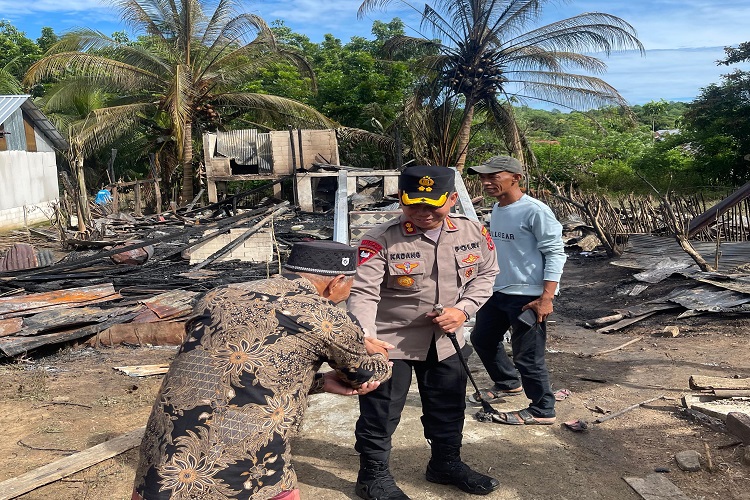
pixel 322 257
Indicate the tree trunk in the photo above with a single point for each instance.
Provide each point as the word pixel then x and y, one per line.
pixel 187 164
pixel 464 134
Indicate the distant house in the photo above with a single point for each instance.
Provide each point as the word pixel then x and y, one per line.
pixel 660 135
pixel 28 167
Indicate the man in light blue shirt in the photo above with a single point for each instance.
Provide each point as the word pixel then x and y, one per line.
pixel 528 241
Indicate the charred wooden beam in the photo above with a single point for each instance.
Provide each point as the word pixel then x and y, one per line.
pixel 710 215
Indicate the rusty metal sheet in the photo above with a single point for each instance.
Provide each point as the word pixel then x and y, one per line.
pixel 35 302
pixel 19 257
pixel 171 304
pixel 146 316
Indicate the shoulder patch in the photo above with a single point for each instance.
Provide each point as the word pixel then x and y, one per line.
pixel 367 248
pixel 488 237
pixel 409 227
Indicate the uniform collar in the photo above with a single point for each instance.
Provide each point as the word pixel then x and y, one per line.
pixel 408 228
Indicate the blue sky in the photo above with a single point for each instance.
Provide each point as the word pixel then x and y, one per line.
pixel 683 38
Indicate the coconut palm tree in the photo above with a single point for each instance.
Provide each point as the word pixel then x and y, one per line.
pixel 184 71
pixel 488 53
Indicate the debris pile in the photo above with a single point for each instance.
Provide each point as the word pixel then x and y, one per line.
pixel 136 283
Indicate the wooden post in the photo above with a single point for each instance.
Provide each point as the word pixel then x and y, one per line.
pixel 157 185
pixel 138 211
pixel 157 194
pixel 299 141
pixel 294 165
pixel 399 153
pixel 83 200
pixel 115 200
pixel 111 166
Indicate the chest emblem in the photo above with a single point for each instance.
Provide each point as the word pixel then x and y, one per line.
pixel 469 272
pixel 407 267
pixel 405 281
pixel 470 259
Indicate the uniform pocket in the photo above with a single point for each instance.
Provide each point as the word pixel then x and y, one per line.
pixel 468 264
pixel 406 275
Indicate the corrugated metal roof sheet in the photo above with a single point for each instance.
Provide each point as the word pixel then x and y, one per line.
pixel 10 103
pixel 644 250
pixel 238 144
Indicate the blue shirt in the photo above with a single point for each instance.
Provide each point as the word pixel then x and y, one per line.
pixel 528 241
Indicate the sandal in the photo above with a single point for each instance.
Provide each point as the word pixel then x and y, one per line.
pixel 492 394
pixel 522 417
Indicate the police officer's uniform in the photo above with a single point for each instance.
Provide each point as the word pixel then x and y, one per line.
pixel 401 275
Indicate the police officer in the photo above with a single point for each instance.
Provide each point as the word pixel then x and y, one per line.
pixel 406 266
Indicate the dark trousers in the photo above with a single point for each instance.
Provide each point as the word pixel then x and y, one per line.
pixel 492 321
pixel 442 389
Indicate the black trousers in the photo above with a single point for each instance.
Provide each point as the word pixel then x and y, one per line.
pixel 529 344
pixel 442 390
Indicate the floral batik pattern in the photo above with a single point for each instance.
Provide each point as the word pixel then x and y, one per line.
pixel 238 387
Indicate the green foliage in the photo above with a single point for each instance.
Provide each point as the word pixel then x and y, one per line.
pixel 660 115
pixel 47 39
pixel 478 47
pixel 354 83
pixel 17 52
pixel 719 126
pixel 182 75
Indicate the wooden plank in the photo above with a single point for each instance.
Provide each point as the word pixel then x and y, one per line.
pixel 11 488
pixel 739 425
pixel 655 487
pixel 11 346
pixel 142 370
pixel 721 408
pixel 10 326
pixel 732 393
pixel 37 300
pixel 706 382
pixel 623 323
pixel 53 307
pixel 50 320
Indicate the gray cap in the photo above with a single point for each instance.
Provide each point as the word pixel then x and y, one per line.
pixel 498 164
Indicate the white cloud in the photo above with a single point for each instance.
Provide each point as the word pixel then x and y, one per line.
pixel 673 74
pixel 665 24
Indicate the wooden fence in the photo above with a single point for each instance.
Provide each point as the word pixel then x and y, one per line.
pixel 632 214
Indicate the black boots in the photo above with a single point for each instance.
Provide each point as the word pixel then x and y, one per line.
pixel 375 482
pixel 446 467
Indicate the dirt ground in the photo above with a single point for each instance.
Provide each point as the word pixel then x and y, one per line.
pixel 71 400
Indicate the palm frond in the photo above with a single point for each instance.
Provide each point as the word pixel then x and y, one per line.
pixel 103 70
pixel 265 106
pixel 102 127
pixel 357 136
